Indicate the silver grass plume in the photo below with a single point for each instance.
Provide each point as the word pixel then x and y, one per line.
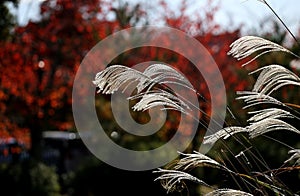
pixel 171 180
pixel 295 156
pixel 155 98
pixel 112 78
pixel 267 125
pixel 269 113
pixel 197 159
pixel 223 133
pixel 247 45
pixel 227 192
pixel 115 77
pixel 273 77
pixel 256 98
pixel 162 74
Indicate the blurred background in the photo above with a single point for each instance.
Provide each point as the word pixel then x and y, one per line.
pixel 42 45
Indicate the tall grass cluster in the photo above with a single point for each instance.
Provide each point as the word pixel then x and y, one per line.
pixel 251 171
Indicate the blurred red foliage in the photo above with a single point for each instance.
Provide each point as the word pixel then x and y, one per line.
pixel 39 63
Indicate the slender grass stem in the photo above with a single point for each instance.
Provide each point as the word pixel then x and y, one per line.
pixel 281 21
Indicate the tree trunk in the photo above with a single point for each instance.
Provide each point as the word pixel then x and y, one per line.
pixel 36 139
